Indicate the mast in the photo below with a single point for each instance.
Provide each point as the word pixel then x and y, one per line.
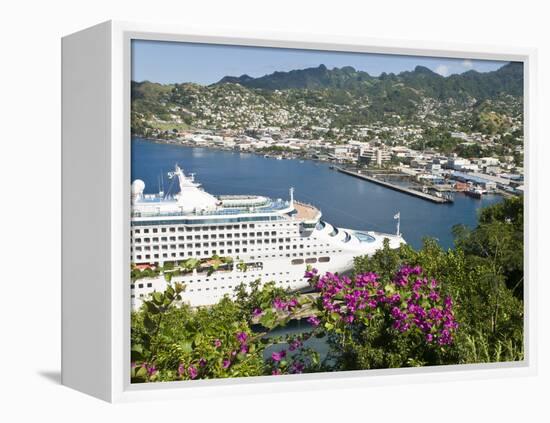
pixel 398 218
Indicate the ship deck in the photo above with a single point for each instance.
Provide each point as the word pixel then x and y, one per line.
pixel 305 211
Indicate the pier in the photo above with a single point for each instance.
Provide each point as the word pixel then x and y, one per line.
pixel 404 190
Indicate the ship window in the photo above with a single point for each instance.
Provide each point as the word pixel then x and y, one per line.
pixel 146 231
pixel 324 259
pixel 155 230
pixel 138 257
pixel 297 261
pixel 164 238
pixel 137 231
pixel 163 230
pixel 172 229
pixel 149 285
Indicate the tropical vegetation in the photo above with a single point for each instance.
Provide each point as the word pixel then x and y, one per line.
pixel 398 308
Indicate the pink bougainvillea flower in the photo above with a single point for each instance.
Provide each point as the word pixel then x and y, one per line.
pixel 313 320
pixel 242 337
pixel 192 372
pixel 278 356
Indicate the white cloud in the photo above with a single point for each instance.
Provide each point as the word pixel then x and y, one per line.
pixel 443 70
pixel 467 63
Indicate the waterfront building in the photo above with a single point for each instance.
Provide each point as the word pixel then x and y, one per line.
pixel 374 156
pixel 264 238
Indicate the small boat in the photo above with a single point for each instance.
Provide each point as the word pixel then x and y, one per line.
pixel 474 192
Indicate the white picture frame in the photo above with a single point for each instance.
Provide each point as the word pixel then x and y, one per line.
pixel 96 212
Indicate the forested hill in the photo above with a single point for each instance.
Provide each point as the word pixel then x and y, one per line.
pixel 506 80
pixel 336 98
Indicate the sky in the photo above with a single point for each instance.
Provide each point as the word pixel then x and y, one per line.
pixel 171 62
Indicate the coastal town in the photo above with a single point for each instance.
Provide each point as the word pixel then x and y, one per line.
pixel 414 131
pixel 427 171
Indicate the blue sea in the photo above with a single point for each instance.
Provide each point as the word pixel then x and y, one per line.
pixel 345 201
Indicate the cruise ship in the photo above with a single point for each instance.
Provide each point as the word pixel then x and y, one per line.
pixel 236 239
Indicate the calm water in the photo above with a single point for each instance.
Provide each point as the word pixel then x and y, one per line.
pixel 344 201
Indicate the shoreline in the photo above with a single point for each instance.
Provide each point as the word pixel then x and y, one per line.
pixel 270 155
pixel 300 158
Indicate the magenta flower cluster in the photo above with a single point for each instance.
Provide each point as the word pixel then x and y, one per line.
pixel 411 300
pixel 281 305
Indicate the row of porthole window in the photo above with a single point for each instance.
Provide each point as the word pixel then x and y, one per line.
pixel 310 260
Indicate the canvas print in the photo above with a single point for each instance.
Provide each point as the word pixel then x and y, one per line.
pixel 301 211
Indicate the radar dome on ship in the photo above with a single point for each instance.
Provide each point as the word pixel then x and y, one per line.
pixel 137 187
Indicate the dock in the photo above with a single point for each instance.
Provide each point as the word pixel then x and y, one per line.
pixel 404 190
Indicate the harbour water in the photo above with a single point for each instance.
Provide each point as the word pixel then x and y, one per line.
pixel 345 201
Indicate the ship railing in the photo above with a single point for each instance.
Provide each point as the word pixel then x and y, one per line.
pixel 274 206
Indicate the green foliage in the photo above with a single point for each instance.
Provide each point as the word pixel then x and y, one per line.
pixel 483 275
pixel 497 242
pixel 490 316
pixel 169 339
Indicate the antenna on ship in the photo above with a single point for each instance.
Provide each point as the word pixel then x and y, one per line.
pixel 398 218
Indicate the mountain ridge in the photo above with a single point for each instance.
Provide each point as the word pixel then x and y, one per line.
pixel 508 79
